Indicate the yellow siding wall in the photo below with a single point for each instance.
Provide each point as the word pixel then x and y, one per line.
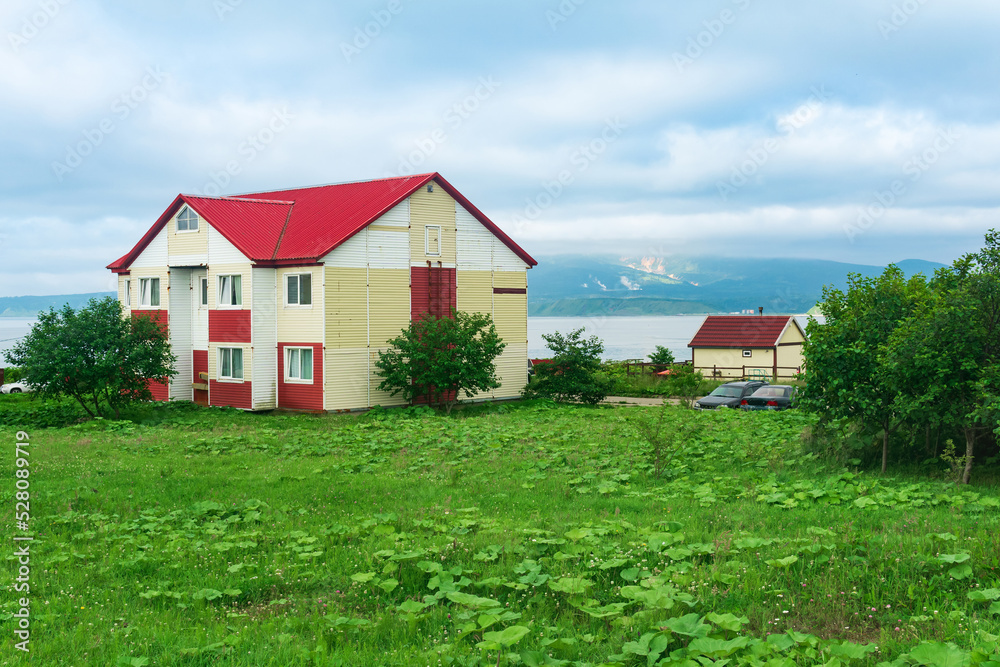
pixel 121 293
pixel 389 304
pixel 474 291
pixel 213 360
pixel 789 356
pixel 244 270
pixel 346 306
pixel 517 279
pixel 162 274
pixel 376 397
pixel 726 360
pixel 301 324
pixel 348 373
pixel 187 243
pixel 510 313
pixel 432 208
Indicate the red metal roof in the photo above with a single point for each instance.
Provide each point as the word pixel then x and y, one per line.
pixel 742 331
pixel 304 224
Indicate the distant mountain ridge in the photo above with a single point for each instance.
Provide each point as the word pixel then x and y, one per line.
pixel 586 285
pixel 30 306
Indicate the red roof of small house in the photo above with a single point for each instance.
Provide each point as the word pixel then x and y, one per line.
pixel 304 224
pixel 742 331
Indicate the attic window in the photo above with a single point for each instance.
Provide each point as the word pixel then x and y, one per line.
pixel 187 220
pixel 432 240
pixel 430 187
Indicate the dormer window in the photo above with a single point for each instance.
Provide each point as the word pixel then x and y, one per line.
pixel 187 220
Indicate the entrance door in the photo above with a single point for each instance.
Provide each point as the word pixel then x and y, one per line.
pixel 199 335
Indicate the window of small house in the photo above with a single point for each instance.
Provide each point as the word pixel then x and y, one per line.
pixel 298 364
pixel 187 220
pixel 149 292
pixel 432 239
pixel 298 290
pixel 230 291
pixel 230 363
pixel 747 353
pixel 128 293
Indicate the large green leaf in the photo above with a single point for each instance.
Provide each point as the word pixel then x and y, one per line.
pixel 473 601
pixel 935 654
pixel 507 637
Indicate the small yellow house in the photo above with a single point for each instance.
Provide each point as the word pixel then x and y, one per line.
pixel 284 299
pixel 738 346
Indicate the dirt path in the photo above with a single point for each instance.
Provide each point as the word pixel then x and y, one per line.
pixel 627 400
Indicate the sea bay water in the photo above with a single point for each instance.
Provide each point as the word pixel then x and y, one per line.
pixel 623 337
pixel 13 329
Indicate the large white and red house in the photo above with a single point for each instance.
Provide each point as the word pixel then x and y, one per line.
pixel 283 299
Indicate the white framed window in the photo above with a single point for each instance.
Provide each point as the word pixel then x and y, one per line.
pixel 203 292
pixel 231 363
pixel 299 364
pixel 298 289
pixel 187 220
pixel 149 292
pixel 747 353
pixel 128 293
pixel 432 240
pixel 230 291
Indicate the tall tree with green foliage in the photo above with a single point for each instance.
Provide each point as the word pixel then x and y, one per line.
pixel 95 355
pixel 944 360
pixel 439 358
pixel 662 357
pixel 845 373
pixel 575 372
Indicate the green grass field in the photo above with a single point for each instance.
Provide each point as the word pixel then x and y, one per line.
pixel 523 534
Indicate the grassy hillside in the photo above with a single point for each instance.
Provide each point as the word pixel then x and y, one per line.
pixel 513 535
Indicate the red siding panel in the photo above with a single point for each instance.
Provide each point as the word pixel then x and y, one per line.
pixel 295 396
pixel 160 390
pixel 232 394
pixel 229 326
pixel 200 365
pixel 432 290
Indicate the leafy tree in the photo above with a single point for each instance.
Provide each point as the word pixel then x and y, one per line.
pixel 95 355
pixel 661 356
pixel 575 371
pixel 683 382
pixel 944 361
pixel 441 357
pixel 845 371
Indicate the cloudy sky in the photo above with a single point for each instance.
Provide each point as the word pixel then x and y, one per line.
pixel 856 130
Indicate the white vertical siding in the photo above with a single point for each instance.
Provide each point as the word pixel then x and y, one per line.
pixel 504 258
pixel 221 251
pixel 155 254
pixel 388 250
pixel 474 251
pixel 397 217
pixel 264 317
pixel 351 254
pixel 180 324
pixel 512 371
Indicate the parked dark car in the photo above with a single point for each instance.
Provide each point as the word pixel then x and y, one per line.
pixel 729 395
pixel 771 397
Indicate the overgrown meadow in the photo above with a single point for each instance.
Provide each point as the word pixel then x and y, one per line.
pixel 522 534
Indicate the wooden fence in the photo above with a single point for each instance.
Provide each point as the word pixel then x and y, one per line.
pixel 635 367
